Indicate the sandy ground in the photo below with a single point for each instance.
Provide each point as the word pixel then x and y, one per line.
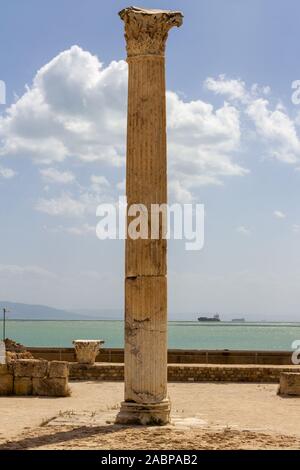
pixel 205 416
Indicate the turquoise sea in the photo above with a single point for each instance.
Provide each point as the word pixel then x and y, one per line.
pixel 182 335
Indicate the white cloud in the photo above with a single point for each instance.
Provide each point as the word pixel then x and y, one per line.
pixel 84 229
pixel 203 143
pixel 279 214
pixel 99 183
pixel 6 173
pixel 13 270
pixel 235 89
pixel 243 230
pixel 178 193
pixel 55 176
pixel 76 108
pixel 79 204
pixel 296 228
pixel 99 180
pixel 231 88
pixel 64 205
pixel 277 130
pixel 272 124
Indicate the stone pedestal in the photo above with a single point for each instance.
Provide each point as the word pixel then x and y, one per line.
pixel 146 399
pixel 144 413
pixel 87 350
pixel 289 384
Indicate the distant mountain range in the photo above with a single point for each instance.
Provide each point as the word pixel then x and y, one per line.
pixel 19 311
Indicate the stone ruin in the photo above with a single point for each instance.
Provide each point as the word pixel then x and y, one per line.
pixel 34 377
pixel 23 375
pixel 16 350
pixel 289 384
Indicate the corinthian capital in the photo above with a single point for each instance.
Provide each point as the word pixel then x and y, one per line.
pixel 146 31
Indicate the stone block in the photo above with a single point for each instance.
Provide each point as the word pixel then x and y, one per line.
pixel 50 387
pixel 6 384
pixel 30 368
pixel 58 369
pixel 289 384
pixel 3 369
pixel 23 386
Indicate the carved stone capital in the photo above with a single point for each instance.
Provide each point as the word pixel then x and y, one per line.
pixel 87 350
pixel 146 31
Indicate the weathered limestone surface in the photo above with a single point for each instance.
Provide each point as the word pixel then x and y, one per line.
pixel 6 384
pixel 289 384
pixel 34 377
pixel 3 369
pixel 87 350
pixel 50 387
pixel 146 400
pixel 22 386
pixel 146 339
pixel 58 369
pixel 30 368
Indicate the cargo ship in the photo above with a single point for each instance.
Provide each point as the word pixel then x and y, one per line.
pixel 214 318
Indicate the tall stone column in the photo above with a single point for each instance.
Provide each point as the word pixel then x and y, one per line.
pixel 146 400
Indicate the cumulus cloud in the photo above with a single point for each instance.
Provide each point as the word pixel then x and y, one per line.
pixel 231 88
pixel 279 214
pixel 203 143
pixel 243 230
pixel 53 175
pixel 235 89
pixel 272 124
pixel 277 130
pixel 64 205
pixel 99 183
pixel 82 203
pixel 296 228
pixel 6 173
pixel 76 109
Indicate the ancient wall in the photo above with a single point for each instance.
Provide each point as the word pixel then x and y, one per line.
pixel 43 378
pixel 34 377
pixel 187 373
pixel 176 356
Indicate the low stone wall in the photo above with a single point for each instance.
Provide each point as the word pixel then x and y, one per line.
pixel 97 371
pixel 227 373
pixel 43 378
pixel 175 356
pixel 187 373
pixel 34 377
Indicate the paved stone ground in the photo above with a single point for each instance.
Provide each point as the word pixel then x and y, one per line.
pixel 204 416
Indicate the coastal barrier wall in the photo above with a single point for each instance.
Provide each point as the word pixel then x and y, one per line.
pixel 187 372
pixel 176 356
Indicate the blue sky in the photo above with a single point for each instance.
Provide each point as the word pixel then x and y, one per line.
pixel 233 146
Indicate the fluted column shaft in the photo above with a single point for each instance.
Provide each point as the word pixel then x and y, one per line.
pixel 146 184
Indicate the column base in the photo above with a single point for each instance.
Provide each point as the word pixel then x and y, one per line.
pixel 155 414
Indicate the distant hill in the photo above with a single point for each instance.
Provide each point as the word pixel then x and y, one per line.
pixel 19 311
pixel 99 314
